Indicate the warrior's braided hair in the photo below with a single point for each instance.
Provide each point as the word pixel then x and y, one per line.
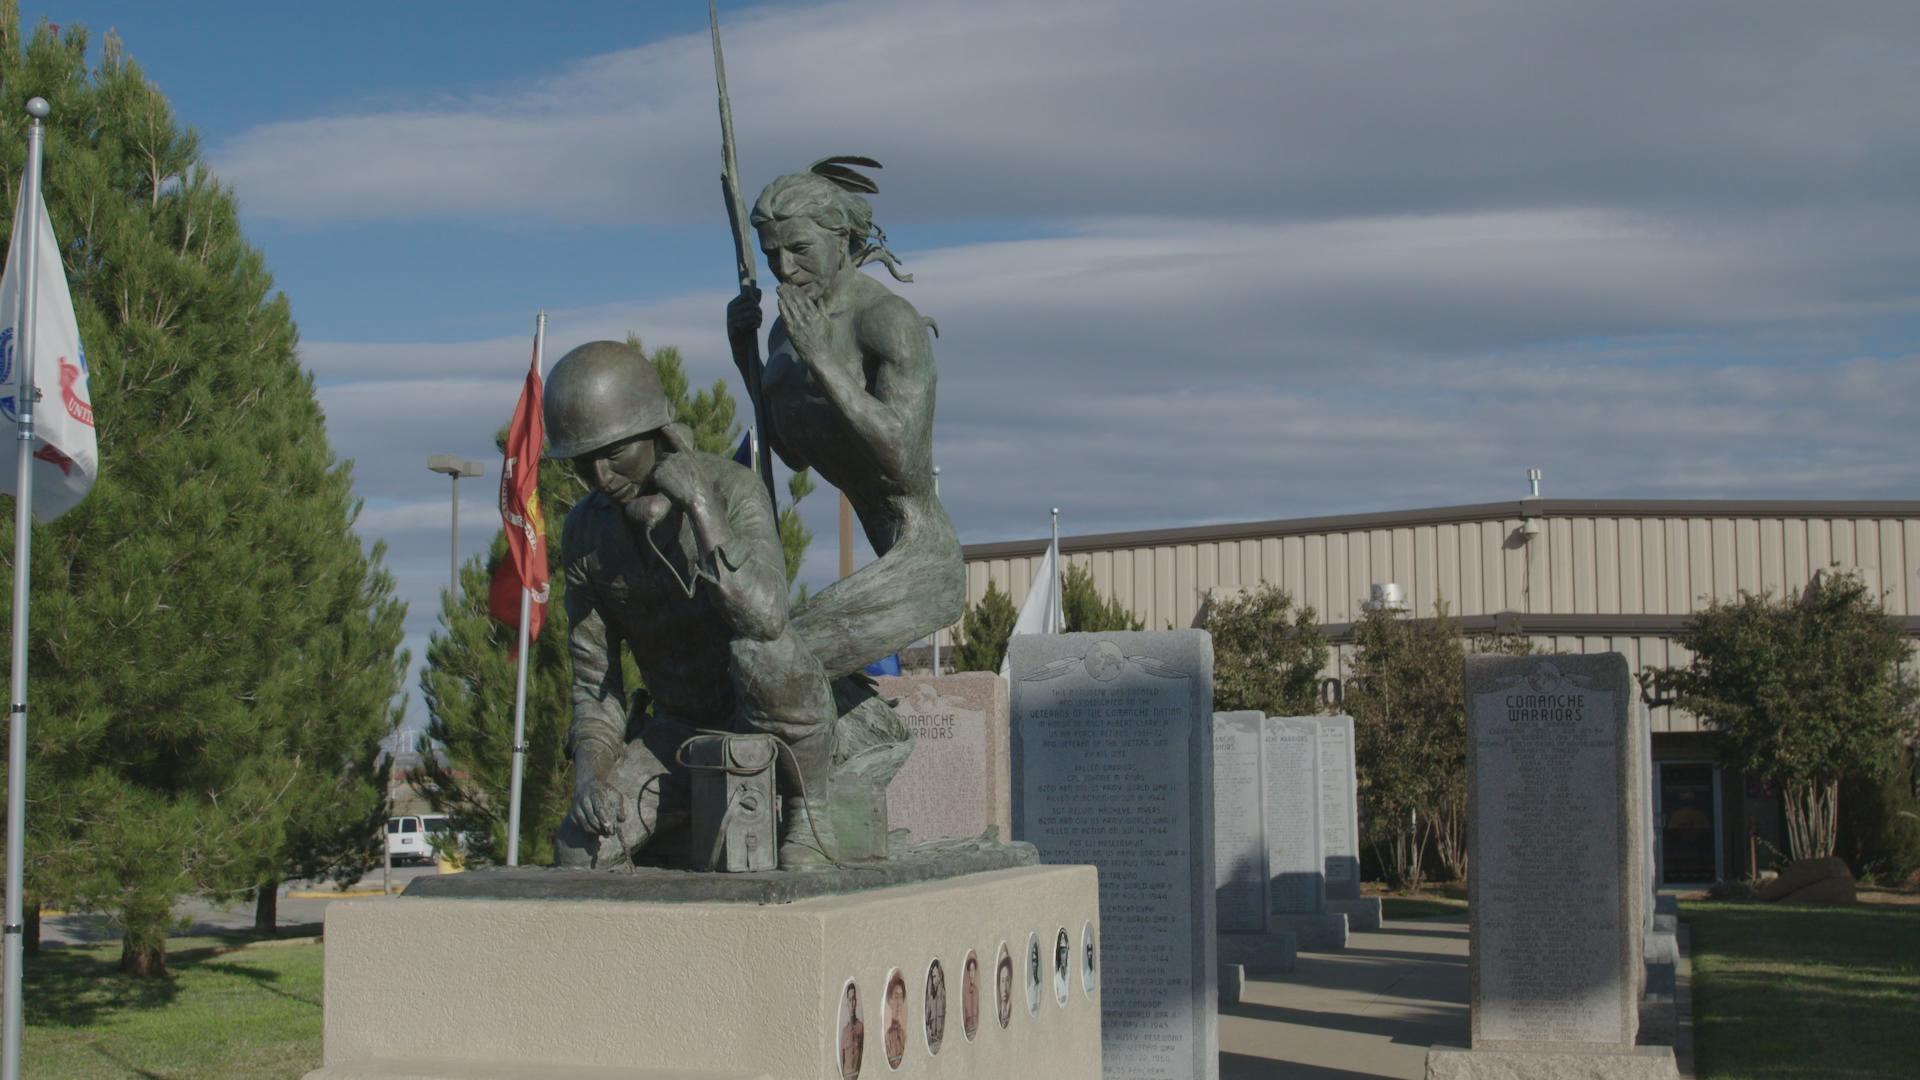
pixel 830 193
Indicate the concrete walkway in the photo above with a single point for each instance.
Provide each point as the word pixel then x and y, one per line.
pixel 1370 1011
pixel 1373 1010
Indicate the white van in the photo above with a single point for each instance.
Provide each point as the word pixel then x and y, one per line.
pixel 407 838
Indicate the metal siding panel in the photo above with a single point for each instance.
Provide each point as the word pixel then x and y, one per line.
pixel 1100 564
pixel 1584 565
pixel 1186 581
pixel 1893 568
pixel 1206 571
pixel 1746 556
pixel 1699 561
pixel 1405 570
pixel 1250 562
pixel 1446 565
pixel 1019 580
pixel 1473 597
pixel 1493 566
pixel 1280 563
pixel 1793 558
pixel 1819 545
pixel 1567 568
pixel 1120 576
pixel 1725 563
pixel 1516 563
pixel 1339 605
pixel 1314 573
pixel 1606 568
pixel 1424 578
pixel 1773 546
pixel 1143 587
pixel 1910 531
pixel 1632 570
pixel 1379 561
pixel 1656 580
pixel 1359 567
pixel 1560 567
pixel 1162 612
pixel 1673 557
pixel 1846 550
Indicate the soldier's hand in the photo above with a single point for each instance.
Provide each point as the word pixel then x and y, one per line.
pixel 598 806
pixel 678 477
pixel 743 315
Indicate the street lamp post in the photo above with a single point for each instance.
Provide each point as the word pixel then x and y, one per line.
pixel 456 468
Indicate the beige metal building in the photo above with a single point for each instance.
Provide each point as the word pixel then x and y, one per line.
pixel 1575 575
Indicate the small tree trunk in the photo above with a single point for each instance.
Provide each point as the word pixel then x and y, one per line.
pixel 1812 819
pixel 143 947
pixel 144 961
pixel 30 935
pixel 266 908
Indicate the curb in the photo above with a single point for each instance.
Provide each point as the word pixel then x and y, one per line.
pixel 334 894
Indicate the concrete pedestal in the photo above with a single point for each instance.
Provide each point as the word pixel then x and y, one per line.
pixel 1362 914
pixel 1259 954
pixel 1315 933
pixel 1642 1063
pixel 434 989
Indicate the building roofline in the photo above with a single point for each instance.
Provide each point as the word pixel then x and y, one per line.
pixel 1444 515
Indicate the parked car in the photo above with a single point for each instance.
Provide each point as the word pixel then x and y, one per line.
pixel 408 839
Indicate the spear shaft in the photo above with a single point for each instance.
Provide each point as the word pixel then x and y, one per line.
pixel 748 359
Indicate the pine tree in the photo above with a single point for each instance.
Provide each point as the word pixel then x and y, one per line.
pixel 1085 610
pixel 468 681
pixel 981 643
pixel 214 656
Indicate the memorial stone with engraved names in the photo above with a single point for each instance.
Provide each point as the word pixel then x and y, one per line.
pixel 1112 747
pixel 1239 843
pixel 1552 770
pixel 1296 855
pixel 954 785
pixel 1340 824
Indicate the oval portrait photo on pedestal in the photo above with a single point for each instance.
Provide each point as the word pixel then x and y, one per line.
pixel 970 996
pixel 936 1007
pixel 894 1019
pixel 853 1033
pixel 1086 957
pixel 1062 963
pixel 1003 985
pixel 1033 973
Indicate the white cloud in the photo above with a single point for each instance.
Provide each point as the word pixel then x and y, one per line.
pixel 1075 107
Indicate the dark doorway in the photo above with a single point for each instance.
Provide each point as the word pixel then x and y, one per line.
pixel 1688 806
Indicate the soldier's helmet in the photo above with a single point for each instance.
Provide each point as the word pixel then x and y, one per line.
pixel 599 394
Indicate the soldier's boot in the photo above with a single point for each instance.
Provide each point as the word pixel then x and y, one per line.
pixel 806 829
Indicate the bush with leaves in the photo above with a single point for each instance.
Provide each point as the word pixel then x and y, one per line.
pixel 1267 655
pixel 1084 610
pixel 981 643
pixel 1805 691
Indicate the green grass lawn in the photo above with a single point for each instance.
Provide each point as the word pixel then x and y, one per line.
pixel 1803 992
pixel 252 1012
pixel 1419 907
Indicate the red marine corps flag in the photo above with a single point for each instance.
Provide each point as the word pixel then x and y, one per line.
pixel 525 566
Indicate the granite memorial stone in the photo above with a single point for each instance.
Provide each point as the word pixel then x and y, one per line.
pixel 1552 759
pixel 1340 824
pixel 954 784
pixel 1239 841
pixel 1112 748
pixel 1290 816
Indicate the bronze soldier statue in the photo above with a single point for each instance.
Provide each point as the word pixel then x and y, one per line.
pixel 676 553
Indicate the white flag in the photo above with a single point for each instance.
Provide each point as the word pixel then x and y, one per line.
pixel 66 458
pixel 1042 611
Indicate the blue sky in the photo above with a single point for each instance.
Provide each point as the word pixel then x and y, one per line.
pixel 1221 261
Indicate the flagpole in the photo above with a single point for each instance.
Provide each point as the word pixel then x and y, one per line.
pixel 1056 619
pixel 526 615
pixel 22 553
